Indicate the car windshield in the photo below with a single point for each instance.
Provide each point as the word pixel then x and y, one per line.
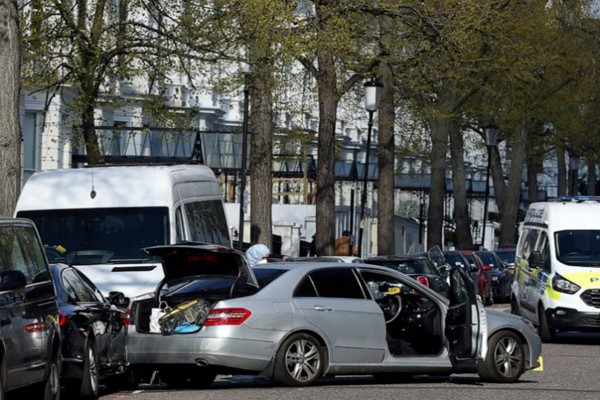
pixel 488 259
pixel 456 260
pixel 87 236
pixel 578 247
pixel 508 256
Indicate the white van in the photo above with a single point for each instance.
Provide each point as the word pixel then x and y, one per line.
pixel 557 269
pixel 99 219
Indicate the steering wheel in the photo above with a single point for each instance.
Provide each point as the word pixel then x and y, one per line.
pixel 391 306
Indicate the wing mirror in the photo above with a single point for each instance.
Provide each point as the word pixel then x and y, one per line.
pixel 536 260
pixel 118 299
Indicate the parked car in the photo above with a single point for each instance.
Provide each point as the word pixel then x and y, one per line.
pixel 419 267
pixel 319 319
pixel 507 255
pixel 29 334
pixel 480 274
pixel 482 282
pixel 501 278
pixel 92 331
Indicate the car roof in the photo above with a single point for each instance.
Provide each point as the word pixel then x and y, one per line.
pixel 397 257
pixel 297 270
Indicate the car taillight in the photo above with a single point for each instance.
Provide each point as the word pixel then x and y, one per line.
pixel 63 320
pixel 126 317
pixel 35 327
pixel 423 280
pixel 227 316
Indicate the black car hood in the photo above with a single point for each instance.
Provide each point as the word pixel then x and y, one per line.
pixel 187 260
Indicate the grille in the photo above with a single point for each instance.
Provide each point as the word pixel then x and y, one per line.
pixel 591 297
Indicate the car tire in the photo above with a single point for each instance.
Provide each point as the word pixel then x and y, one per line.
pixel 2 377
pixel 189 377
pixel 300 361
pixel 546 332
pixel 88 388
pixel 50 388
pixel 505 358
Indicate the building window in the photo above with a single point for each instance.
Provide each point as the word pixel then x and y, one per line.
pixel 32 123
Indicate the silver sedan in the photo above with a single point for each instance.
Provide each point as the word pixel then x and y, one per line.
pixel 295 322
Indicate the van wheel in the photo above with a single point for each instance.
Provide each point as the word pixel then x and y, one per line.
pixel 546 332
pixel 299 361
pixel 505 358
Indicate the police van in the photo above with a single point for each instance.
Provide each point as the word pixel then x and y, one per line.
pixel 99 219
pixel 557 266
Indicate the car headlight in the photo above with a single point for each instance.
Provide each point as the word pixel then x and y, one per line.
pixel 561 284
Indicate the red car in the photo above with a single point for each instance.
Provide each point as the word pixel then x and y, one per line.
pixel 481 276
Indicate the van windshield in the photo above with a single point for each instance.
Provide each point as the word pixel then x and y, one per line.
pixel 578 247
pixel 100 235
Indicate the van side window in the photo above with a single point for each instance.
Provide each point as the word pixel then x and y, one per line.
pixel 179 228
pixel 529 238
pixel 544 247
pixel 207 222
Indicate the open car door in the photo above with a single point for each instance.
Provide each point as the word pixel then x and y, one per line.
pixel 466 322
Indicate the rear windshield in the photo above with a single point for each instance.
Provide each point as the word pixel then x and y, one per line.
pixel 264 276
pixel 88 236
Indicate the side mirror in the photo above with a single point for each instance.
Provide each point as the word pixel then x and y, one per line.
pixel 118 299
pixel 487 268
pixel 536 260
pixel 12 279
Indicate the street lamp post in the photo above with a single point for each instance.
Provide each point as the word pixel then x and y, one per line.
pixel 246 72
pixel 491 134
pixel 573 167
pixel 372 97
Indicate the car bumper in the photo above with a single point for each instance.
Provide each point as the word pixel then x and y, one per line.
pixel 251 354
pixel 571 319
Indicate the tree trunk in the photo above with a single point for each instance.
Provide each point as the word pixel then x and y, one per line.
pixel 561 167
pixel 464 239
pixel 385 149
pixel 260 160
pixel 325 199
pixel 435 212
pixel 532 171
pixel 508 230
pixel 498 178
pixel 10 126
pixel 592 177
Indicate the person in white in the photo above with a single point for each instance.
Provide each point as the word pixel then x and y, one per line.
pixel 257 254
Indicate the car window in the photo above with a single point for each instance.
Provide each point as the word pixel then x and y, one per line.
pixel 264 276
pixel 331 282
pixel 20 250
pixel 76 289
pixel 458 289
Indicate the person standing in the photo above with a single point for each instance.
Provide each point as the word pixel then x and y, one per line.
pixel 344 245
pixel 257 254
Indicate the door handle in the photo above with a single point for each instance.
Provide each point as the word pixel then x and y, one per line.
pixel 323 308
